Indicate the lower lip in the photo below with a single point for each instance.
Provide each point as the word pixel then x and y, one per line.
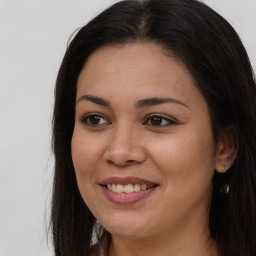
pixel 130 198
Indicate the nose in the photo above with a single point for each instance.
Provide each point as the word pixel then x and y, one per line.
pixel 124 148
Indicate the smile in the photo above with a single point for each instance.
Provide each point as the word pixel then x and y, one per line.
pixel 127 190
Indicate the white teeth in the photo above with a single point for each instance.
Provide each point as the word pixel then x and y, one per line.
pixel 129 188
pixel 144 187
pixel 136 187
pixel 114 187
pixel 119 188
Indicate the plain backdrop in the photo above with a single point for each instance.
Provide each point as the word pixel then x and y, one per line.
pixel 33 39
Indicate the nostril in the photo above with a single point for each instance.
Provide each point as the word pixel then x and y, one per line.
pixel 130 161
pixel 124 155
pixel 121 163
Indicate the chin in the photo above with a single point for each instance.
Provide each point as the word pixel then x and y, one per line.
pixel 128 229
pixel 126 233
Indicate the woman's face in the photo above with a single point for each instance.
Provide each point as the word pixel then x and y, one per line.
pixel 142 146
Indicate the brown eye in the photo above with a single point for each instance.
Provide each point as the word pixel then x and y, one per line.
pixel 156 121
pixel 159 121
pixel 94 120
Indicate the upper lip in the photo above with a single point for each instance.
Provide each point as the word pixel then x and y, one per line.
pixel 126 180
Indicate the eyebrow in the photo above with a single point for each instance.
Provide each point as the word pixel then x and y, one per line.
pixel 156 101
pixel 94 99
pixel 140 104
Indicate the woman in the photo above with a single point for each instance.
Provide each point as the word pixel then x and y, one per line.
pixel 154 135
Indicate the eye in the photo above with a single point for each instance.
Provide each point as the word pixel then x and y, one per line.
pixel 159 121
pixel 94 120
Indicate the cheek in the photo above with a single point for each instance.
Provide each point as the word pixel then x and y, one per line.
pixel 85 153
pixel 186 160
pixel 85 149
pixel 187 165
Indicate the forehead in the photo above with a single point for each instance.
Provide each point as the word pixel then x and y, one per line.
pixel 139 70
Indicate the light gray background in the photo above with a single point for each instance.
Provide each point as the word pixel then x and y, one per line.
pixel 33 38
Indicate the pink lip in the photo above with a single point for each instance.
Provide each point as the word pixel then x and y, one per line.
pixel 126 180
pixel 123 198
pixel 129 198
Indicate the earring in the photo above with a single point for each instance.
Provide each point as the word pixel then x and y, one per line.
pixel 224 188
pixel 226 165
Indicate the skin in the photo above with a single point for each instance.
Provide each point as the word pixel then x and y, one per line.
pixel 179 154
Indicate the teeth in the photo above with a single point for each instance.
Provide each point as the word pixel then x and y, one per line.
pixel 136 187
pixel 119 188
pixel 144 187
pixel 114 187
pixel 129 188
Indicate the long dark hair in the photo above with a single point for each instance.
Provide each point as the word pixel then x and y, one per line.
pixel 215 56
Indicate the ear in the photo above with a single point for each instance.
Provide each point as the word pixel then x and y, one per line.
pixel 227 149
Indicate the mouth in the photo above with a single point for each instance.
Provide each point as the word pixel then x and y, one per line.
pixel 127 190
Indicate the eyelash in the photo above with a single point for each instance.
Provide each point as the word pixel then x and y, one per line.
pixel 161 118
pixel 85 119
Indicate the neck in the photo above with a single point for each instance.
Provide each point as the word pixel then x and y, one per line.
pixel 178 244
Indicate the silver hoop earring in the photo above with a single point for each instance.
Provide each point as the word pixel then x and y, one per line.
pixel 224 188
